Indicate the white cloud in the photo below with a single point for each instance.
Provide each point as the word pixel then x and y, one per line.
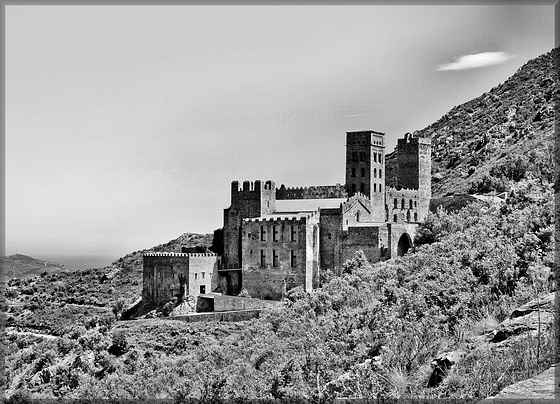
pixel 476 60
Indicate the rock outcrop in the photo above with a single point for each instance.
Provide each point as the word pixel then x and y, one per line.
pixel 543 388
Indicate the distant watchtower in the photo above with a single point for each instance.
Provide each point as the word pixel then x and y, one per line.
pixel 414 168
pixel 365 170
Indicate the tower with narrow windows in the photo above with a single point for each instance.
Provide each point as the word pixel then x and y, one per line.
pixel 414 169
pixel 365 171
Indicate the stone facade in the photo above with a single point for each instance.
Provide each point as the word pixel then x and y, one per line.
pixel 403 206
pixel 364 214
pixel 169 275
pixel 280 253
pixel 274 239
pixel 253 199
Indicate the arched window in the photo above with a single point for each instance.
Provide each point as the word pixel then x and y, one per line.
pixel 380 173
pixel 379 159
pixel 375 157
pixel 363 172
pixel 395 218
pixel 357 216
pixel 395 203
pixel 408 215
pixel 402 203
pixel 362 188
pixel 375 173
pixel 353 172
pixel 374 187
pixel 379 187
pixel 415 216
pixel 410 204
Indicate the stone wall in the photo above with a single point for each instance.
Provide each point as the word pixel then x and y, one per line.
pixel 270 238
pixel 312 192
pixel 356 210
pixel 229 303
pixel 239 315
pixel 362 238
pixel 403 206
pixel 203 273
pixel 169 275
pixel 161 276
pixel 330 240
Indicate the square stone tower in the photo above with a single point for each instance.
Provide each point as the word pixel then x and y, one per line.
pixel 414 169
pixel 253 199
pixel 365 168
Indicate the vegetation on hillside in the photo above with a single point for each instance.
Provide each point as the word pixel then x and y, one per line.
pixel 506 134
pixel 371 332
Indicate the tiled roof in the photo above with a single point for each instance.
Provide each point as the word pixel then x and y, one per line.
pixel 306 205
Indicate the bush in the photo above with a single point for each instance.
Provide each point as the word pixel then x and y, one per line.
pixel 169 306
pixel 120 344
pixel 511 168
pixel 487 183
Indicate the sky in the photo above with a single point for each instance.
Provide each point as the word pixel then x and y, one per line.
pixel 125 125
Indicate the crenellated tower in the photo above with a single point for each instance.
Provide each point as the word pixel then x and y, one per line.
pixel 252 199
pixel 414 169
pixel 365 170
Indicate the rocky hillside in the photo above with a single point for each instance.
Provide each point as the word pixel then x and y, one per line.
pixel 498 138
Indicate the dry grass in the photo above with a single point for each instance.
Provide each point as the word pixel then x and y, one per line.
pixel 485 325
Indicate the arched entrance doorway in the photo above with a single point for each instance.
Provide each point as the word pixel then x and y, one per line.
pixel 404 245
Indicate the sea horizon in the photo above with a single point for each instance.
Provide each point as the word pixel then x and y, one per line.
pixel 75 261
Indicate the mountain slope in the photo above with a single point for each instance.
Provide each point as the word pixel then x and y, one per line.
pixel 497 138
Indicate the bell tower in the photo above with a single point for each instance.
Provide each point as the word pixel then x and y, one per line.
pixel 365 168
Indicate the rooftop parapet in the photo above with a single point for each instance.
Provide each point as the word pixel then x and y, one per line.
pixel 311 192
pixel 251 186
pixel 393 190
pixel 173 254
pixel 364 132
pixel 279 219
pixel 409 139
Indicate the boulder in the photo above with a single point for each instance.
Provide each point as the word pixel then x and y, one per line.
pixel 545 303
pixel 442 364
pixel 534 316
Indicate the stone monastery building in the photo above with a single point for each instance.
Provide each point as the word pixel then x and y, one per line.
pixel 274 239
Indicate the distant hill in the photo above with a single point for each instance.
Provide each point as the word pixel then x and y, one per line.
pixel 24 266
pixel 133 261
pixel 498 138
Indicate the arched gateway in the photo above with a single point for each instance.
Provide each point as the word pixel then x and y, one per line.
pixel 405 242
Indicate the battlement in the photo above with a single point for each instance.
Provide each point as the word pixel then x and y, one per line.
pixel 252 186
pixel 410 140
pixel 300 219
pixel 173 254
pixel 393 190
pixel 364 132
pixel 311 192
pixel 357 195
pixel 365 138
